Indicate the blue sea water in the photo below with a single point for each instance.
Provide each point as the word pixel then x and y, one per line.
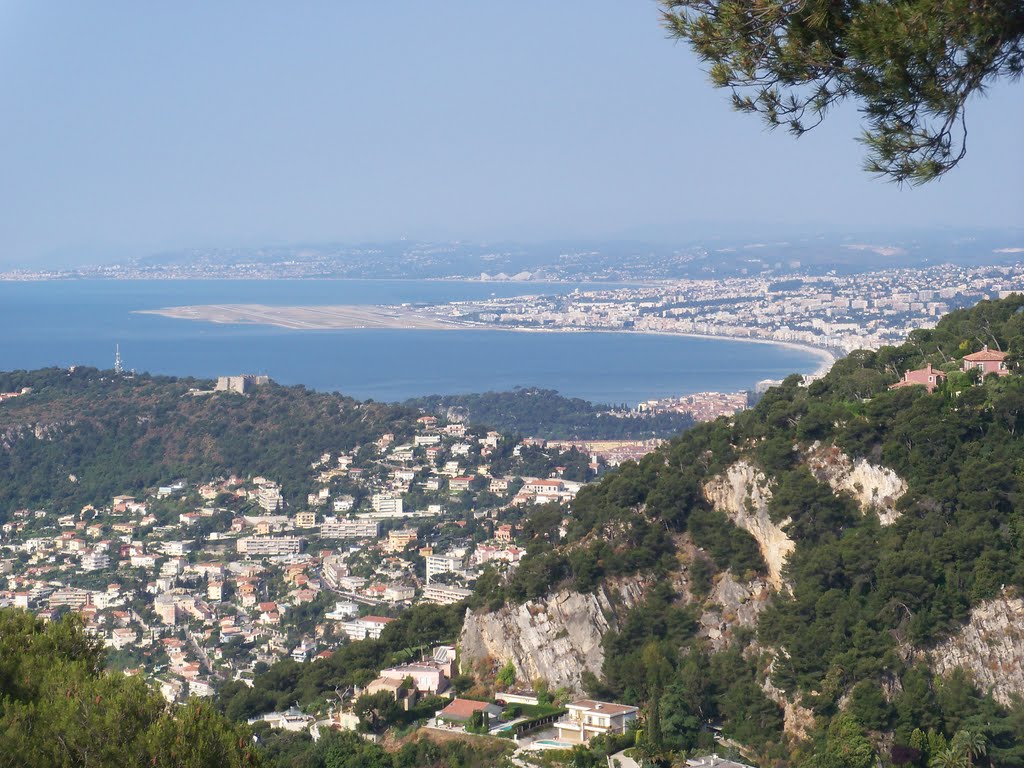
pixel 78 322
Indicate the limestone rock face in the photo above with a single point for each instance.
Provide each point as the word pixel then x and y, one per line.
pixel 742 493
pixel 731 605
pixel 990 646
pixel 797 720
pixel 875 488
pixel 557 637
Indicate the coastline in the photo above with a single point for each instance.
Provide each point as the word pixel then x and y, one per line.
pixel 371 317
pixel 827 359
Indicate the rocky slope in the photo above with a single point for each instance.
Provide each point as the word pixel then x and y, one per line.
pixel 990 646
pixel 557 638
pixel 742 492
pixel 875 488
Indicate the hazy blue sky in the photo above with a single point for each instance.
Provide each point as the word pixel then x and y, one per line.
pixel 135 127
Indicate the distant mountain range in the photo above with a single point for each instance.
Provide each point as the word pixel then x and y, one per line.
pixel 580 260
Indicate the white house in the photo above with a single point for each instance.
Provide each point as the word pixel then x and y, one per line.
pixel 587 718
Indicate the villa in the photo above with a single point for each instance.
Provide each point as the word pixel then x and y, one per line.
pixel 587 718
pixel 926 377
pixel 986 361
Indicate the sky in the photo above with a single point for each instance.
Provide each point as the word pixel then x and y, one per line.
pixel 131 128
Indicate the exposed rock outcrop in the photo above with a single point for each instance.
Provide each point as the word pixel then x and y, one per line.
pixel 990 646
pixel 742 492
pixel 797 720
pixel 731 605
pixel 875 488
pixel 556 638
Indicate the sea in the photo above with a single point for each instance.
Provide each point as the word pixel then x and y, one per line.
pixel 80 322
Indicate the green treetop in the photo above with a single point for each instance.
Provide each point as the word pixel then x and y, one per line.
pixel 911 66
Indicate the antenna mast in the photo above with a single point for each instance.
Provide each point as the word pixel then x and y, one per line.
pixel 118 368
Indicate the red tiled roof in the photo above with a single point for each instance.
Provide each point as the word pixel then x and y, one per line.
pixel 986 355
pixel 463 708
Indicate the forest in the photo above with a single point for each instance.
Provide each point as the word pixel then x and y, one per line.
pixel 533 412
pixel 84 435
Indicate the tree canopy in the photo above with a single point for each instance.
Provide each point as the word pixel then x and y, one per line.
pixel 911 65
pixel 58 708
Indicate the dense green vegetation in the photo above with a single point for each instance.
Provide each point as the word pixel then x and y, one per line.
pixel 58 709
pixel 860 594
pixel 546 414
pixel 348 750
pixel 911 67
pixel 83 436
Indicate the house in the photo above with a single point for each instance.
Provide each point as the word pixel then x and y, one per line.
pixel 392 685
pixel 460 484
pixel 985 362
pixel 293 719
pixel 399 539
pixel 544 486
pixel 587 718
pixel 123 636
pixel 926 377
pixel 444 595
pixel 427 677
pixel 460 710
pixel 396 593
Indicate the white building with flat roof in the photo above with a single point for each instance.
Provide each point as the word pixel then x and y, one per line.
pixel 587 718
pixel 270 545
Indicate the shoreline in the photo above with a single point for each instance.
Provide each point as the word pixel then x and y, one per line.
pixel 373 317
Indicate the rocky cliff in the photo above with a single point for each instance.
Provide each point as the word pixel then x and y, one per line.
pixel 730 606
pixel 875 488
pixel 742 493
pixel 556 638
pixel 990 646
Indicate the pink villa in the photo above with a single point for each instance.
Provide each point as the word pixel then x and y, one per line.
pixel 926 377
pixel 985 362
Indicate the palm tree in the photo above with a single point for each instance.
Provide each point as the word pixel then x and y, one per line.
pixel 951 757
pixel 971 743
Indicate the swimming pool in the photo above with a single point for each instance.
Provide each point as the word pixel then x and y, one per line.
pixel 551 744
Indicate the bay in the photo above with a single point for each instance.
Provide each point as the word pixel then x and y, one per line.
pixel 63 323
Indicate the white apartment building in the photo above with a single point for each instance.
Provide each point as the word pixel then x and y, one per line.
pixel 268 496
pixel 365 627
pixel 270 545
pixel 386 503
pixel 333 528
pixel 444 595
pixel 446 563
pixel 95 561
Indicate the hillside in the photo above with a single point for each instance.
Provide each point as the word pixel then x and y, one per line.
pixel 81 436
pixel 833 578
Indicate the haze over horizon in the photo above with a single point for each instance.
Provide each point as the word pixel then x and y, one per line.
pixel 133 130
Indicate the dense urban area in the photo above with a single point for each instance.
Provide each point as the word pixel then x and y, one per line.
pixel 836 313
